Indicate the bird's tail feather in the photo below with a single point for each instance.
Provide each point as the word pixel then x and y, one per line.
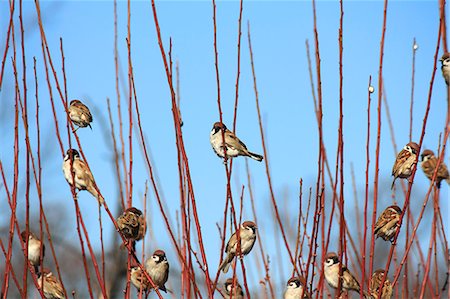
pixel 255 156
pixel 225 265
pixel 97 195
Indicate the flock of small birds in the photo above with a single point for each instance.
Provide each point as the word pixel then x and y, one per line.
pixel 132 224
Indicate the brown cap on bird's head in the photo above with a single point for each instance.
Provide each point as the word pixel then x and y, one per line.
pixel 395 208
pixel 229 281
pixel 427 152
pixel 219 126
pixel 445 56
pixel 378 272
pixel 414 146
pixel 333 256
pixel 249 224
pixel 24 235
pixel 159 253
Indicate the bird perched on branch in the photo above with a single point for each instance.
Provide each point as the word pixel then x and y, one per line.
pixel 35 246
pixel 76 170
pixel 445 67
pixel 79 114
pixel 234 147
pixel 429 163
pixel 374 285
pixel 388 223
pixel 406 162
pixel 247 235
pixel 157 267
pixel 132 224
pixel 296 286
pixel 232 292
pixel 50 285
pixel 331 271
pixel 139 280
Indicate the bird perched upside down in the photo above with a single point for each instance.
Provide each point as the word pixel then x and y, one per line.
pixel 406 162
pixel 82 176
pixel 387 224
pixel 247 235
pixel 157 267
pixel 34 249
pixel 295 287
pixel 132 225
pixel 79 114
pixel 234 147
pixel 429 163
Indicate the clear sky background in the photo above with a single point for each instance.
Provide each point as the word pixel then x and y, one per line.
pixel 279 31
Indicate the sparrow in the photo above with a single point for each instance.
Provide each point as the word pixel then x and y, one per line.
pixel 295 287
pixel 406 162
pixel 79 114
pixel 230 292
pixel 331 271
pixel 445 67
pixel 132 224
pixel 139 280
pixel 34 249
pixel 157 267
pixel 387 224
pixel 429 162
pixel 84 180
pixel 374 285
pixel 234 146
pixel 52 288
pixel 247 235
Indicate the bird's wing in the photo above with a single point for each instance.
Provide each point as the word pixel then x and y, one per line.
pixel 84 173
pixel 83 109
pixel 233 141
pixel 231 243
pixel 402 157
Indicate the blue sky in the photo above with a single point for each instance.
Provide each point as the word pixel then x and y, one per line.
pixel 279 31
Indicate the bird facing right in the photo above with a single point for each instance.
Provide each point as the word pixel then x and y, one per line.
pixel 331 271
pixel 247 235
pixel 387 224
pixel 429 163
pixel 295 287
pixel 79 114
pixel 374 285
pixel 52 288
pixel 34 249
pixel 157 267
pixel 230 292
pixel 445 67
pixel 406 162
pixel 233 146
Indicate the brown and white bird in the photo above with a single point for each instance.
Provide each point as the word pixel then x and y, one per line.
pixel 139 280
pixel 132 224
pixel 234 147
pixel 247 235
pixel 387 224
pixel 51 286
pixel 374 285
pixel 331 271
pixel 79 114
pixel 230 292
pixel 428 164
pixel 406 162
pixel 157 267
pixel 445 67
pixel 295 287
pixel 84 180
pixel 34 249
